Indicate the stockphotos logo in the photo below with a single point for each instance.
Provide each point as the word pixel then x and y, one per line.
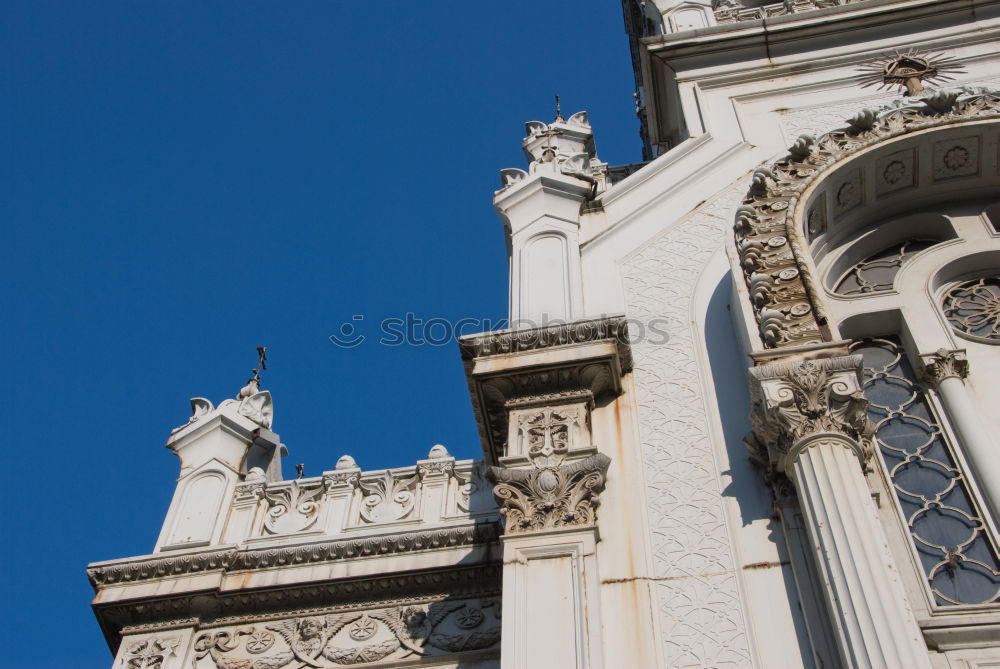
pixel 412 330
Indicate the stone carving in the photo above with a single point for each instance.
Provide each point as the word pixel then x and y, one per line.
pixel 388 498
pixel 697 588
pixel 293 507
pixel 358 637
pixel 151 653
pixel 731 11
pixel 153 568
pixel 438 463
pixel 345 472
pixel 577 332
pixel 258 408
pixel 798 399
pixel 468 488
pixel 769 241
pixel 945 364
pixel 549 496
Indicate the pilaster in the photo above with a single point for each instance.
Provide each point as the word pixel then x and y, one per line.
pixel 810 423
pixel 535 392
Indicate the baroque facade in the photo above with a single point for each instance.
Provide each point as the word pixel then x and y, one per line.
pixel 744 417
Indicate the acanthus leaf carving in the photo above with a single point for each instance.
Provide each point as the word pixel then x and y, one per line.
pixel 389 497
pixel 548 496
pixel 292 508
pixel 945 364
pixel 795 400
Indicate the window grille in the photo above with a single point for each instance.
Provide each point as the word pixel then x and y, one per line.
pixel 877 272
pixel 973 308
pixel 958 556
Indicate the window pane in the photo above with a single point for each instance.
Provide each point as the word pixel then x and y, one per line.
pixel 959 560
pixel 973 307
pixel 876 272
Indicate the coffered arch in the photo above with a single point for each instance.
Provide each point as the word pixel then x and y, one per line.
pixel 884 163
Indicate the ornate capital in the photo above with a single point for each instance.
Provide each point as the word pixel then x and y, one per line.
pixel 547 497
pixel 944 364
pixel 796 402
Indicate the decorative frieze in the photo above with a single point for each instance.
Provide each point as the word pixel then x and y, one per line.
pixel 357 637
pixel 770 242
pixel 388 498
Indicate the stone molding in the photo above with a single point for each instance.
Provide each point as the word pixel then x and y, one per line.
pixel 733 11
pixel 944 364
pixel 243 558
pixel 770 241
pixel 513 369
pixel 800 403
pixel 548 497
pixel 503 342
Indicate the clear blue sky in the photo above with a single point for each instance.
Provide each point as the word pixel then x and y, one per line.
pixel 182 181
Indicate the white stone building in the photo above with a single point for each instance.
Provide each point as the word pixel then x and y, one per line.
pixel 820 256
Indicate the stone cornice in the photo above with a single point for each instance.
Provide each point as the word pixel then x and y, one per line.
pixel 503 342
pixel 770 235
pixel 233 559
pixel 539 366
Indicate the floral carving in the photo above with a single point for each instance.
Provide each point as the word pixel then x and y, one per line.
pixel 360 637
pixel 792 315
pixel 293 508
pixel 945 364
pixel 548 496
pixel 388 498
pixel 795 400
pixel 150 653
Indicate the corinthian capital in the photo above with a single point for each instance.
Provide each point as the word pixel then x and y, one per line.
pixel 546 496
pixel 794 402
pixel 945 364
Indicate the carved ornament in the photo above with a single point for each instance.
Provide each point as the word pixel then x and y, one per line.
pixel 945 364
pixel 549 496
pixel 770 242
pixel 357 637
pixel 795 402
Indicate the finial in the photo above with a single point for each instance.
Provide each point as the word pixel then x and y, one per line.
pixel 300 469
pixel 908 70
pixel 559 117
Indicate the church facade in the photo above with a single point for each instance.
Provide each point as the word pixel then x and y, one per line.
pixel 745 415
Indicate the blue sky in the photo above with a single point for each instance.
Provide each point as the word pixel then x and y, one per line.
pixel 183 181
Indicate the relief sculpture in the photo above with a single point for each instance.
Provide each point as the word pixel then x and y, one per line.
pixel 358 637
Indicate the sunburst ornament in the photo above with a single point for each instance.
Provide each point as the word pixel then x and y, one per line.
pixel 908 70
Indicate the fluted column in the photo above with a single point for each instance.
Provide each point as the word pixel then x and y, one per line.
pixel 947 371
pixel 810 423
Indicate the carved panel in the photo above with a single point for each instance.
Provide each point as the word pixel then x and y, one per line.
pixel 374 636
pixel 151 653
pixel 956 158
pixel 292 508
pixel 697 591
pixel 388 498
